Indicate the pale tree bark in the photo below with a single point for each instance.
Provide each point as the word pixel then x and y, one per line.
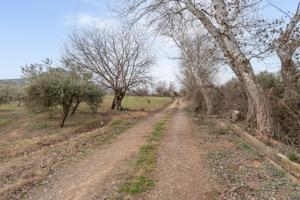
pixel 217 20
pixel 288 43
pixel 200 61
pixel 251 113
pixel 208 102
pixel 290 73
pixel 226 40
pixel 250 117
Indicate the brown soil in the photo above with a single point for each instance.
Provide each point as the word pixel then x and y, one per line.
pixel 182 172
pixel 88 178
pixel 243 173
pixel 196 161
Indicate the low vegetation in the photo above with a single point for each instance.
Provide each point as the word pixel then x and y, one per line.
pixel 59 88
pixel 18 125
pixel 142 103
pixel 241 171
pixel 32 145
pixel 139 179
pixel 24 172
pixel 293 157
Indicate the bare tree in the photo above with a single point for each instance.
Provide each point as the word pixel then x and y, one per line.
pixel 119 58
pixel 282 37
pixel 286 46
pixel 219 18
pixel 200 60
pixel 161 89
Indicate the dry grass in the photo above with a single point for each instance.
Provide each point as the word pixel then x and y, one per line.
pixel 32 146
pixel 239 168
pixel 148 103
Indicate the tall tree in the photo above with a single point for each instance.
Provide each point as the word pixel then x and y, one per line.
pixel 119 58
pixel 220 18
pixel 280 37
pixel 199 65
pixel 288 43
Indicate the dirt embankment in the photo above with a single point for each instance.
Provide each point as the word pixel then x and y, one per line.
pixel 243 173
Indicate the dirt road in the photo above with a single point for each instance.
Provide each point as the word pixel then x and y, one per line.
pixel 194 162
pixel 87 178
pixel 182 173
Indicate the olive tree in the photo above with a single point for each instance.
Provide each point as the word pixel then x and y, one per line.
pixel 9 93
pixel 119 58
pixel 5 94
pixel 57 87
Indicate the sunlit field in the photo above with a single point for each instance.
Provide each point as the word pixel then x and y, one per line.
pixel 16 122
pixel 23 131
pixel 148 103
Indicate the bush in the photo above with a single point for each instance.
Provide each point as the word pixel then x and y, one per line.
pixel 293 157
pixel 230 96
pixel 58 87
pixel 9 93
pixel 271 82
pixel 5 94
pixel 93 97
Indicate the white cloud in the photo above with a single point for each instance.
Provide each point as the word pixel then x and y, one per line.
pixel 97 3
pixel 88 19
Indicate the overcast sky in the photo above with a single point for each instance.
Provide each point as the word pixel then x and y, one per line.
pixel 32 30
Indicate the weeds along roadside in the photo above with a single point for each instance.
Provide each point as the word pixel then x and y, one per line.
pixel 242 171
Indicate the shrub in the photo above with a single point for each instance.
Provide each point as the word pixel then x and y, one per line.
pixel 57 87
pixel 293 157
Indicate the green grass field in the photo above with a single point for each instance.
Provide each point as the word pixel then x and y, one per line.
pixel 16 121
pixel 23 133
pixel 22 130
pixel 148 103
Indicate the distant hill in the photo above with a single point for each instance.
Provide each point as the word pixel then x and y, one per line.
pixel 18 81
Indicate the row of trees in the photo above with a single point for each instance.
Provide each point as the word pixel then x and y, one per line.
pixel 161 88
pixel 164 89
pixel 95 60
pixel 226 32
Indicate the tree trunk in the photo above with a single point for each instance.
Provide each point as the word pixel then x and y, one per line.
pixel 75 107
pixel 289 72
pixel 250 117
pixel 66 110
pixel 208 103
pixel 286 48
pixel 261 102
pixel 227 42
pixel 64 118
pixel 117 102
pixel 19 103
pixel 113 105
